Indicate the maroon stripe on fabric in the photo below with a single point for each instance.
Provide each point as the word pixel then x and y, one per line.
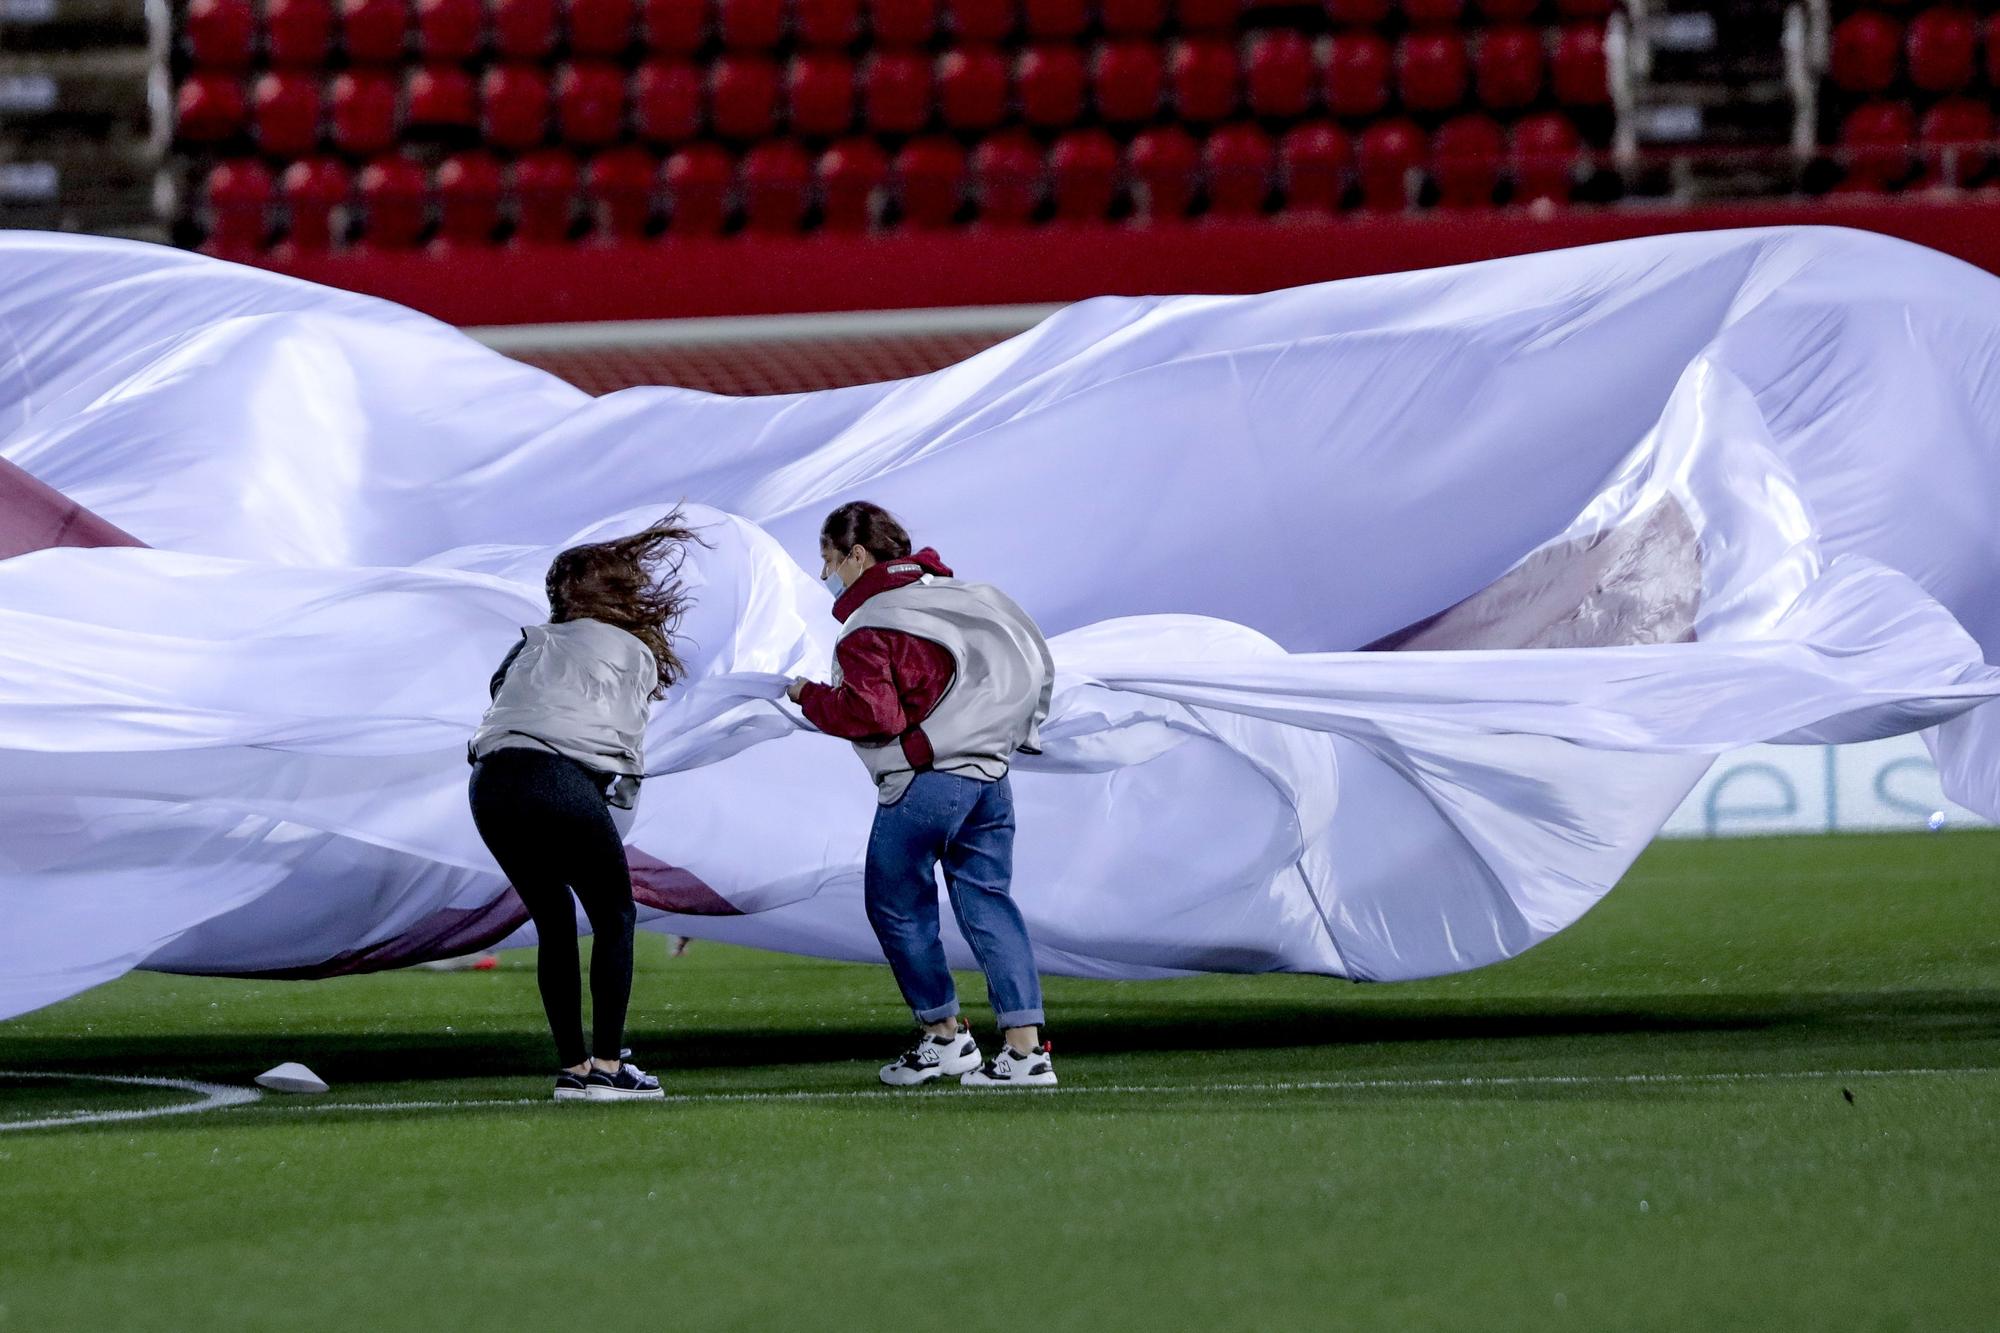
pixel 35 516
pixel 459 930
pixel 666 888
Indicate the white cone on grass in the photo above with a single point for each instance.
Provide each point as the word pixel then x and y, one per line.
pixel 291 1077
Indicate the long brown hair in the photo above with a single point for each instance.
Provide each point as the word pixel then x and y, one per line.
pixel 631 582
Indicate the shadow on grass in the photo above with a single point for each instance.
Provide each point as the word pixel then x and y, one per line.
pixel 1379 1035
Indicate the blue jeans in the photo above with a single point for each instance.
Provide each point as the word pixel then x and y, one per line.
pixel 967 825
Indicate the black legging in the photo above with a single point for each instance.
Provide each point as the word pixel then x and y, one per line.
pixel 545 819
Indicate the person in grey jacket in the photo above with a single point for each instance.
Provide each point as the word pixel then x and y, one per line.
pixel 556 764
pixel 938 682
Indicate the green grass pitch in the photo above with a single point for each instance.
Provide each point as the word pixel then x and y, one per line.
pixel 1758 1088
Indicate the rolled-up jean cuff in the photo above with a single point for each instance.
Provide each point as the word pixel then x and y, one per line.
pixel 938 1015
pixel 1019 1018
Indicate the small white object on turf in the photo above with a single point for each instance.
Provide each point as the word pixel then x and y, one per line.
pixel 291 1077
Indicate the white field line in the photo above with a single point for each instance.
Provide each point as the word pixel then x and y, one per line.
pixel 214 1096
pixel 1195 1089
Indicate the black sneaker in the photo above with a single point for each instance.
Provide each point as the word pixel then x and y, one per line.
pixel 630 1081
pixel 571 1087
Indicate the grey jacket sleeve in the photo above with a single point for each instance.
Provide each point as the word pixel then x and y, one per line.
pixel 500 676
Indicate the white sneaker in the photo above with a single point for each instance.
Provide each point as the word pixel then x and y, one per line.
pixel 1036 1069
pixel 933 1058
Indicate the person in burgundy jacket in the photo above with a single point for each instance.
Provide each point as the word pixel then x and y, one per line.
pixel 938 683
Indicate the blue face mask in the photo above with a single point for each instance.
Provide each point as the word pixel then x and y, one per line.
pixel 834 583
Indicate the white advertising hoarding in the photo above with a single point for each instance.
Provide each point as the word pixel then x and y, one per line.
pixel 1887 784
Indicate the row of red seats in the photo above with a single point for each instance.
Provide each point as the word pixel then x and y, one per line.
pixel 1939 50
pixel 304 34
pixel 777 186
pixel 822 95
pixel 1955 136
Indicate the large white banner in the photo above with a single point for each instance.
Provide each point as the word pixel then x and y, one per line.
pixel 1392 619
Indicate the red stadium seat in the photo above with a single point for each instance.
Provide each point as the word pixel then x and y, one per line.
pixel 1006 179
pixel 1236 165
pixel 1162 163
pixel 514 107
pixel 1049 85
pixel 1958 130
pixel 776 182
pixel 1586 9
pixel 982 21
pixel 831 24
pixel 1132 18
pixel 666 101
pixel 394 202
pixel 313 191
pixel 1357 13
pixel 1357 75
pixel 468 188
pixel 1866 52
pixel 751 25
pixel 590 103
pixel 896 92
pixel 973 87
pixel 221 34
pixel 698 180
pixel 1993 53
pixel 284 113
pixel 450 30
pixel 673 27
pixel 373 32
pixel 361 112
pixel 928 178
pixel 618 192
pixel 543 186
pixel 1279 74
pixel 1875 139
pixel 1942 49
pixel 1578 69
pixel 1314 162
pixel 298 34
pixel 440 98
pixel 1126 81
pixel 1465 161
pixel 210 108
pixel 1542 152
pixel 1219 16
pixel 1083 172
pixel 743 96
pixel 897 23
pixel 1203 76
pixel 819 93
pixel 1433 13
pixel 853 176
pixel 1056 20
pixel 1509 67
pixel 1509 11
pixel 1431 70
pixel 600 27
pixel 1388 153
pixel 237 199
pixel 524 29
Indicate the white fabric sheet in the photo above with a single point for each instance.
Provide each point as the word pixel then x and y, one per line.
pixel 1685 494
